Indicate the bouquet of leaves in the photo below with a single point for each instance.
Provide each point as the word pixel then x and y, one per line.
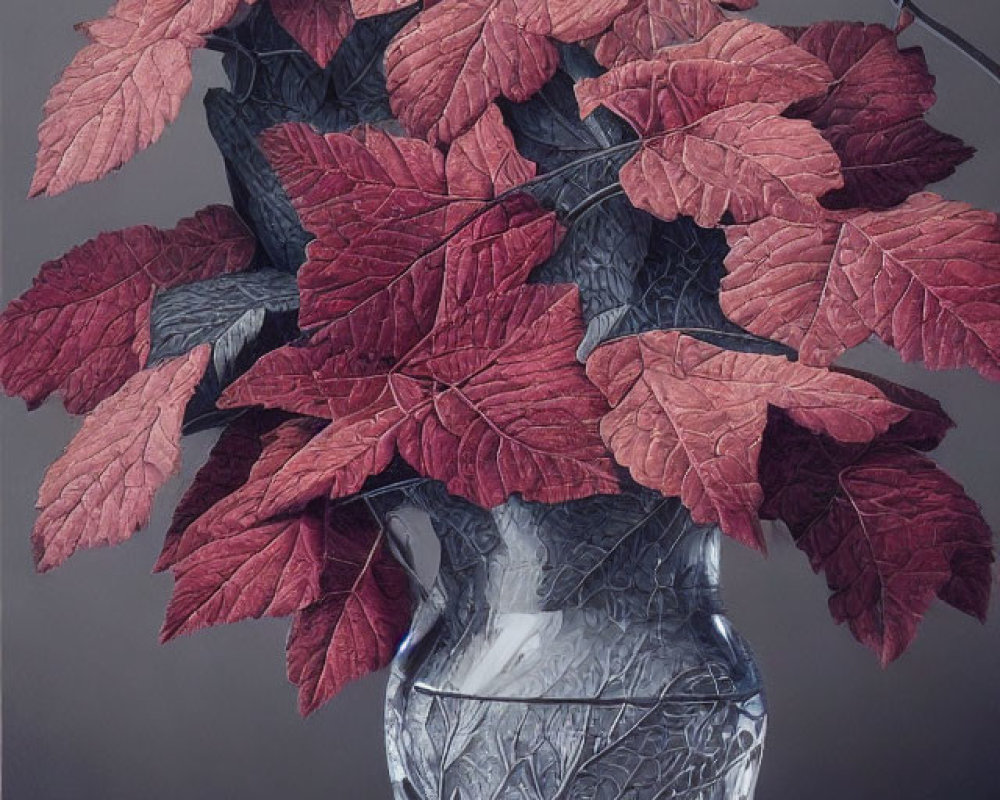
pixel 532 247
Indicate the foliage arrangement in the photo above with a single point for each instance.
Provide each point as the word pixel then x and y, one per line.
pixel 516 246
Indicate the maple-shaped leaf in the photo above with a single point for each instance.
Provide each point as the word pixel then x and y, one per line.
pixel 374 8
pixel 275 441
pixel 649 25
pixel 269 568
pixel 319 26
pixel 83 327
pixel 121 91
pixel 226 470
pixel 736 62
pixel 885 524
pixel 712 137
pixel 873 115
pixel 923 277
pixel 745 159
pixel 387 211
pixel 453 59
pixel 100 491
pixel 463 407
pixel 688 418
pixel 363 613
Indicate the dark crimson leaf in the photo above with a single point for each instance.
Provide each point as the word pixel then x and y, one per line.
pixel 873 113
pixel 226 470
pixel 470 388
pixel 646 26
pixel 122 89
pixel 264 569
pixel 923 277
pixel 83 327
pixel 736 62
pixel 885 524
pixel 453 59
pixel 363 613
pixel 239 498
pixel 883 167
pixel 674 439
pixel 388 211
pixel 100 491
pixel 318 25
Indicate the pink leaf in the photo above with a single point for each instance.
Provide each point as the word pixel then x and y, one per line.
pixel 649 25
pixel 364 611
pixel 923 277
pixel 319 26
pixel 100 491
pixel 746 159
pixel 83 327
pixel 453 59
pixel 123 89
pixel 688 418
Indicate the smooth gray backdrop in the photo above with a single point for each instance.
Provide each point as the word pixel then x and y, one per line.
pixel 95 709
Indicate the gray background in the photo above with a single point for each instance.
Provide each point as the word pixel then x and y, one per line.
pixel 94 709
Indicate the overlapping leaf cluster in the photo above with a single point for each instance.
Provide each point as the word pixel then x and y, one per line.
pixel 522 247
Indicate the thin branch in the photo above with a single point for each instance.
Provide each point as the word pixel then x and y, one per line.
pixel 943 32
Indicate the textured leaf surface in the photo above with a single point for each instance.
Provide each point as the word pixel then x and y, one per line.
pixel 736 62
pixel 924 277
pixel 688 418
pixel 389 212
pixel 363 614
pixel 746 159
pixel 121 91
pixel 83 327
pixel 226 470
pixel 100 491
pixel 267 568
pixel 318 25
pixel 872 115
pixel 275 441
pixel 451 61
pixel 491 402
pixel 882 521
pixel 649 25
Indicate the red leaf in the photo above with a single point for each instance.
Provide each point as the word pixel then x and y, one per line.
pixel 374 8
pixel 363 614
pixel 649 25
pixel 923 277
pixel 688 418
pixel 452 60
pixel 100 491
pixel 121 91
pixel 227 469
pixel 266 568
pixel 885 524
pixel 463 407
pixel 873 113
pixel 746 159
pixel 240 509
pixel 387 211
pixel 736 62
pixel 883 167
pixel 319 26
pixel 83 327
pixel 874 84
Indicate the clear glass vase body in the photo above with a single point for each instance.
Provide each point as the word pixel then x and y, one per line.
pixel 570 651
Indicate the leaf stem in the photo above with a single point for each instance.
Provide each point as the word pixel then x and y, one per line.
pixel 942 31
